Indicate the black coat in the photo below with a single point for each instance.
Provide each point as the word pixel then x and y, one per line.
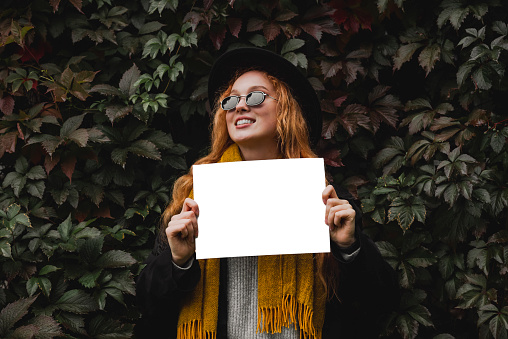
pixel 368 290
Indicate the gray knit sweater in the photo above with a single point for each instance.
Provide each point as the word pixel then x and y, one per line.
pixel 242 301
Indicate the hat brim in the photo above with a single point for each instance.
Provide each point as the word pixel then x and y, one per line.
pixel 226 66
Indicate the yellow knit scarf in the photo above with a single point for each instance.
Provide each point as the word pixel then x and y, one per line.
pixel 289 292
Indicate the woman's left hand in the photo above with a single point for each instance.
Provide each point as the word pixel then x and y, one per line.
pixel 340 218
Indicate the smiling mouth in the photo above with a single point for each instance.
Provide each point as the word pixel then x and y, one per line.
pixel 244 122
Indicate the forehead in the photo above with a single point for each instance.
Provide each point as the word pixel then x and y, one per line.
pixel 252 79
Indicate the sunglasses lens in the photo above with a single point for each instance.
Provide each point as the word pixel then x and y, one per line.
pixel 229 103
pixel 255 98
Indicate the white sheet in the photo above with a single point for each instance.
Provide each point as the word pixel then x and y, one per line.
pixel 265 207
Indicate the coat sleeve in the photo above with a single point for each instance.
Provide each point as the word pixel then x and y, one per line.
pixel 367 288
pixel 159 288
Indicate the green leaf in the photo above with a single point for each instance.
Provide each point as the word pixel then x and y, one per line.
pixel 36 188
pixel 429 56
pixel 119 156
pixel 128 80
pixel 76 301
pixel 404 54
pixel 91 249
pixel 5 248
pixel 45 285
pixel 64 229
pixel 150 27
pixel 292 45
pixel 73 322
pixel 407 326
pixel 115 258
pixel 421 314
pixel 421 257
pixel 116 294
pixel 497 142
pixel 89 279
pixel 36 173
pixel 464 72
pixel 145 149
pixel 48 269
pixel 499 326
pixel 123 281
pixel 71 124
pixel 107 328
pixel 31 286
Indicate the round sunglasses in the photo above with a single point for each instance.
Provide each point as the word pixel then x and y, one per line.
pixel 252 99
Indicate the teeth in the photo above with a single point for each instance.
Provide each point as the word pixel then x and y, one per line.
pixel 243 122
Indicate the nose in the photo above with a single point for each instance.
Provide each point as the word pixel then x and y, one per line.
pixel 242 104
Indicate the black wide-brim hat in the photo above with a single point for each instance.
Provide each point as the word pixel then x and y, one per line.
pixel 226 66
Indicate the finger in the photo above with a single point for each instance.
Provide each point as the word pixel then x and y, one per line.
pixel 331 216
pixel 190 205
pixel 332 202
pixel 190 231
pixel 328 192
pixel 342 216
pixel 184 215
pixel 176 229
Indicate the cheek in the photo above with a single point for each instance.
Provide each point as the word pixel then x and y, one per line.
pixel 229 122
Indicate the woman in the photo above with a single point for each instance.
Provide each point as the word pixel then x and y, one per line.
pixel 265 109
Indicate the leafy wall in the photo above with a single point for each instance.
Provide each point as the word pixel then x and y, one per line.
pixel 103 105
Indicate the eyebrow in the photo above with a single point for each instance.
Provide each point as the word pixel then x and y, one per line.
pixel 253 88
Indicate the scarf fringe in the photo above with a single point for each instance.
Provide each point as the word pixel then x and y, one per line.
pixel 194 330
pixel 271 319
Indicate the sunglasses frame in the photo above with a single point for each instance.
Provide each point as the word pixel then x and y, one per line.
pixel 238 97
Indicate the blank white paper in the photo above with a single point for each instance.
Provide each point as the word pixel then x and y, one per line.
pixel 264 207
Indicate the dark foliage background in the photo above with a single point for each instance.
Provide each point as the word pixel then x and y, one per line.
pixel 103 105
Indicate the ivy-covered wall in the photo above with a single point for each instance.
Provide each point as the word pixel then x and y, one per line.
pixel 103 105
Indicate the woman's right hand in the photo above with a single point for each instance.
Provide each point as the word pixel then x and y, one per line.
pixel 182 231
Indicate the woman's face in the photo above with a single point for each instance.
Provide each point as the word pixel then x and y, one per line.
pixel 253 126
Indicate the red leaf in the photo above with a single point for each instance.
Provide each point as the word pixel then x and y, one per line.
pixel 8 142
pixel 68 166
pixel 235 25
pixel 477 118
pixel 350 15
pixel 339 101
pixel 354 116
pixel 329 128
pixel 78 4
pixel 340 16
pixel 36 153
pixel 207 4
pixel 194 18
pixel 21 135
pixel 332 158
pixel 271 30
pixel 80 215
pixel 285 15
pixel 352 184
pixel 217 35
pixel 102 212
pixel 313 30
pixel 327 105
pixel 7 105
pixel 51 109
pixel 330 69
pixel 54 4
pixel 50 162
pixel 255 24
